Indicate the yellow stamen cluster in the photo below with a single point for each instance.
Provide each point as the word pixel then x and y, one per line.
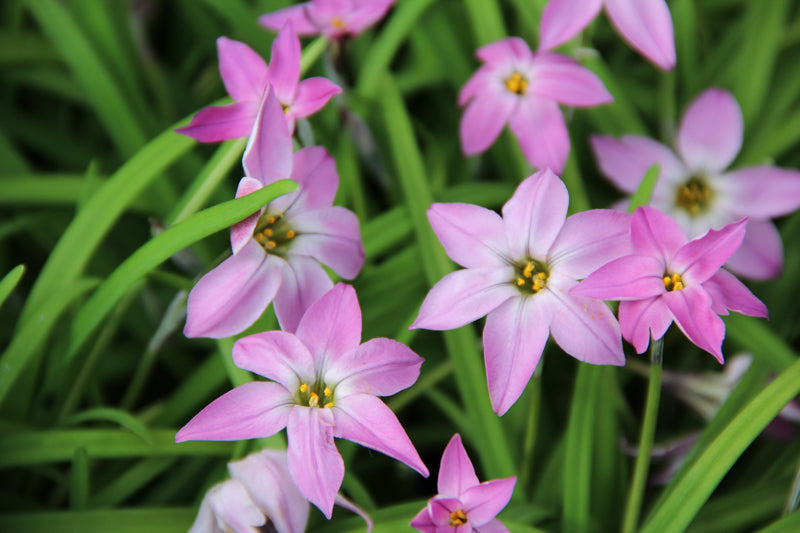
pixel 458 518
pixel 694 195
pixel 337 22
pixel 533 276
pixel 516 83
pixel 673 282
pixel 311 397
pixel 271 232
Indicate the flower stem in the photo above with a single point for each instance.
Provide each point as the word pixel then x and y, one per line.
pixel 636 494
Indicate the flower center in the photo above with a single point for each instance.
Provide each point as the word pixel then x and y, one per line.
pixel 531 277
pixel 673 282
pixel 315 395
pixel 516 83
pixel 694 195
pixel 337 22
pixel 458 518
pixel 273 233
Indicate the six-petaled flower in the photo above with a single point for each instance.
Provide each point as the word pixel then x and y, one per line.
pixel 334 19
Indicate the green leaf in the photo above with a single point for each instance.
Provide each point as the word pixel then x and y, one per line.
pixel 107 414
pixel 177 520
pixel 644 193
pixel 10 281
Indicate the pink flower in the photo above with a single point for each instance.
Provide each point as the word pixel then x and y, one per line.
pixel 334 19
pixel 246 76
pixel 669 278
pixel 645 24
pixel 519 269
pixel 324 384
pixel 523 88
pixel 463 503
pixel 277 252
pixel 695 189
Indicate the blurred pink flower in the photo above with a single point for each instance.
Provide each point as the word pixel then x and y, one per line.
pixel 695 189
pixel 523 89
pixel 277 252
pixel 645 24
pixel 246 75
pixel 324 384
pixel 519 270
pixel 669 278
pixel 464 504
pixel 334 19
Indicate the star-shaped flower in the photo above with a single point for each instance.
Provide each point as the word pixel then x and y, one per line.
pixel 334 19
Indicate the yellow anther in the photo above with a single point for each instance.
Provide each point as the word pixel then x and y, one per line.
pixel 542 276
pixel 673 282
pixel 329 405
pixel 268 232
pixel 520 282
pixel 458 518
pixel 337 22
pixel 304 387
pixel 528 271
pixel 270 245
pixel 327 391
pixel 313 400
pixel 537 285
pixel 270 220
pixel 290 234
pixel 516 83
pixel 667 281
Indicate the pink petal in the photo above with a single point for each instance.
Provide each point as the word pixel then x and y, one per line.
pixel 331 236
pixel 314 462
pixel 626 160
pixel 729 293
pixel 268 156
pixel 331 327
pixel 484 501
pixel 639 319
pixel 456 473
pixel 365 13
pixel 560 78
pixel 484 119
pixel 472 236
pixel 304 282
pixel 243 71
pixel 761 254
pixel 284 64
pixel 231 297
pixel 423 521
pixel 508 50
pixel 242 232
pixel 314 170
pixel 647 26
pixel 277 356
pixel 492 526
pixel 343 502
pixel 655 233
pixel 364 419
pixel 762 192
pixel 464 296
pixel 539 127
pixel 440 509
pixel 380 366
pixel 484 80
pixel 312 95
pixel 230 504
pixel 589 240
pixel 534 215
pixel 513 340
pixel 631 277
pixel 220 123
pixel 563 19
pixel 296 14
pixel 251 411
pixel 710 134
pixel 691 308
pixel 701 258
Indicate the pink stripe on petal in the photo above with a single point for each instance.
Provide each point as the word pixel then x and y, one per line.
pixel 484 119
pixel 483 502
pixel 698 260
pixel 729 293
pixel 472 236
pixel 243 71
pixel 276 355
pixel 563 19
pixel 312 95
pixel 761 254
pixel 268 156
pixel 626 160
pixel 560 78
pixel 588 240
pixel 331 327
pixel 655 233
pixel 711 131
pixel 540 129
pixel 631 277
pixel 647 26
pixel 380 366
pixel 297 14
pixel 456 473
pixel 242 232
pixel 691 308
pixel 304 282
pixel 332 237
pixel 284 64
pixel 762 192
pixel 220 123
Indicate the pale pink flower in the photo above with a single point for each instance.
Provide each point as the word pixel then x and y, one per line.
pixel 246 75
pixel 645 24
pixel 325 384
pixel 519 270
pixel 277 252
pixel 464 504
pixel 696 190
pixel 334 19
pixel 523 89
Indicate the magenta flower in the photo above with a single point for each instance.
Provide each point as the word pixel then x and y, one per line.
pixel 277 252
pixel 645 24
pixel 324 385
pixel 334 19
pixel 464 504
pixel 523 89
pixel 519 270
pixel 695 189
pixel 669 278
pixel 246 76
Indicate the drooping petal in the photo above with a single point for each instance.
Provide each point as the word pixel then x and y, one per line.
pixel 464 296
pixel 540 129
pixel 268 156
pixel 423 521
pixel 563 19
pixel 534 215
pixel 484 119
pixel 332 237
pixel 691 308
pixel 647 26
pixel 243 71
pixel 366 420
pixel 304 282
pixel 284 64
pixel 380 366
pixel 231 297
pixel 312 95
pixel 701 258
pixel 254 410
pixel 513 340
pixel 655 233
pixel 631 277
pixel 242 232
pixel 230 506
pixel 763 191
pixel 727 292
pixel 331 327
pixel 626 160
pixel 472 236
pixel 761 254
pixel 220 123
pixel 297 14
pixel 276 355
pixel 483 502
pixel 314 462
pixel 710 134
pixel 456 473
pixel 341 501
pixel 589 240
pixel 561 78
pixel 509 50
pixel 641 319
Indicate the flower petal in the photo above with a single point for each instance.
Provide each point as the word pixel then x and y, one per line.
pixel 242 232
pixel 268 156
pixel 341 501
pixel 484 80
pixel 492 526
pixel 381 367
pixel 641 319
pixel 331 236
pixel 284 64
pixel 513 340
pixel 484 501
pixel 243 71
pixel 589 240
pixel 331 327
pixel 231 297
pixel 314 170
pixel 364 419
pixel 728 292
pixel 539 127
pixel 440 509
pixel 220 123
pixel 312 95
pixel 297 14
pixel 304 282
pixel 484 119
pixel 655 233
pixel 276 355
pixel 761 254
pixel 631 277
pixel 254 410
pixel 698 260
pixel 710 134
pixel 563 19
pixel 472 236
pixel 561 78
pixel 626 160
pixel 423 521
pixel 456 473
pixel 510 50
pixel 230 504
pixel 365 13
pixel 762 192
pixel 647 26
pixel 691 308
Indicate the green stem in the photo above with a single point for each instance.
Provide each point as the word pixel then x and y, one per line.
pixel 636 494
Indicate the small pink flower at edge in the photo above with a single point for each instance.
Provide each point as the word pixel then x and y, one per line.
pixel 523 89
pixel 334 19
pixel 519 269
pixel 246 75
pixel 324 384
pixel 464 504
pixel 669 278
